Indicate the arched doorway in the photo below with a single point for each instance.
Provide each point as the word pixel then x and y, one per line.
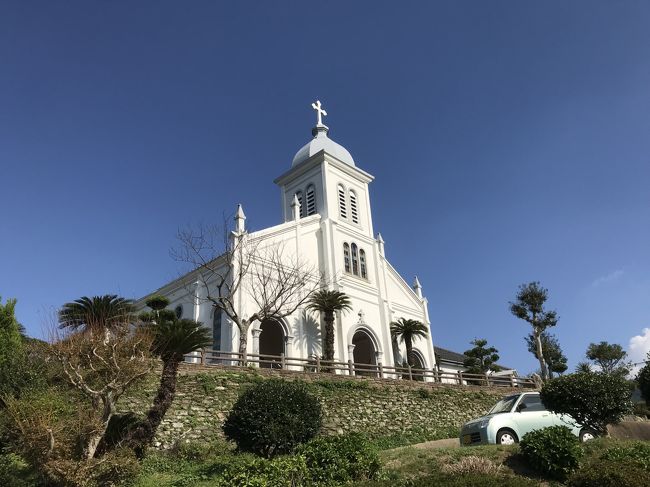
pixel 418 365
pixel 364 354
pixel 271 343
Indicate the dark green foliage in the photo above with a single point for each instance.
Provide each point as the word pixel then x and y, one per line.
pixel 15 472
pixel 551 350
pixel 643 380
pixel 594 400
pixel 529 306
pixel 553 451
pixel 406 330
pixel 273 417
pixel 157 302
pixel 609 357
pixel 328 302
pixel 17 371
pixel 335 460
pixel 481 359
pixel 608 473
pixel 248 470
pixel 98 313
pixel 175 338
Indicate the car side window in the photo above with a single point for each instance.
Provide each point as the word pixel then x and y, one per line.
pixel 532 403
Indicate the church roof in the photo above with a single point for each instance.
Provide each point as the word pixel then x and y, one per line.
pixel 449 356
pixel 322 142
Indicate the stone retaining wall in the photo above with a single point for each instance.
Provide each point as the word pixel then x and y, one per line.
pixel 376 407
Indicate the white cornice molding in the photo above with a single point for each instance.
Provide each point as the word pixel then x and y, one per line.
pixel 318 159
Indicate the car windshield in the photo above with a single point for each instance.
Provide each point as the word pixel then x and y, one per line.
pixel 504 405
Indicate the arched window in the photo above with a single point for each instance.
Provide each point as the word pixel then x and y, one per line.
pixel 343 209
pixel 302 204
pixel 353 207
pixel 362 263
pixel 355 259
pixel 311 200
pixel 216 330
pixel 346 256
pixel 178 311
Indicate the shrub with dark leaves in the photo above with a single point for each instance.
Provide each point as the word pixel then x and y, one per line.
pixel 273 417
pixel 335 460
pixel 593 399
pixel 553 451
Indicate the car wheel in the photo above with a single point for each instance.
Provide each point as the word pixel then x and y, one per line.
pixel 586 435
pixel 506 437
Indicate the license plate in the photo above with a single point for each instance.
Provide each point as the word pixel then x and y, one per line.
pixel 467 439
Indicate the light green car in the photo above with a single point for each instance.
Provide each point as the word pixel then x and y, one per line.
pixel 514 416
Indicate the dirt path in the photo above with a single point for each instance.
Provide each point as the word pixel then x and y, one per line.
pixel 446 443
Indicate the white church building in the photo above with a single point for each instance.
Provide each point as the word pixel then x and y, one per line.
pixel 327 219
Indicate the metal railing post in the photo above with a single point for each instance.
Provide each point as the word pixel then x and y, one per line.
pixel 410 372
pixel 283 361
pixel 318 364
pixel 203 356
pixel 460 378
pixel 351 367
pixel 381 370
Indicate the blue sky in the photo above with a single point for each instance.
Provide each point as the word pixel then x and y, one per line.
pixel 509 141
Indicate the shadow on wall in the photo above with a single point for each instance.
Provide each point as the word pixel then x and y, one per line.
pixel 307 334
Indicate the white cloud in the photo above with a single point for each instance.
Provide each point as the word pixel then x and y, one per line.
pixel 613 276
pixel 639 347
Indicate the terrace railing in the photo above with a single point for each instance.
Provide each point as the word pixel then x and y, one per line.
pixel 351 369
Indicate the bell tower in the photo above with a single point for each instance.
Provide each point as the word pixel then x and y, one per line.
pixel 325 181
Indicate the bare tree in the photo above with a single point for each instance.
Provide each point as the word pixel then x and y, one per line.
pixel 102 371
pixel 230 264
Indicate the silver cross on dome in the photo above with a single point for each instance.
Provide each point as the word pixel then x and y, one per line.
pixel 317 106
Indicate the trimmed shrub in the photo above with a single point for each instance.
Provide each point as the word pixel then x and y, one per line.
pixel 273 417
pixel 593 399
pixel 609 473
pixel 553 451
pixel 335 460
pixel 251 471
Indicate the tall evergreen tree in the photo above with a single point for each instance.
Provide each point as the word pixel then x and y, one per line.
pixel 643 379
pixel 553 355
pixel 481 359
pixel 529 306
pixel 609 357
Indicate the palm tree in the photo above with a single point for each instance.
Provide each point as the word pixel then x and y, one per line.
pixel 172 340
pixel 328 302
pixel 99 313
pixel 405 330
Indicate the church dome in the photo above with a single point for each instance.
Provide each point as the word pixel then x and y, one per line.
pixel 322 142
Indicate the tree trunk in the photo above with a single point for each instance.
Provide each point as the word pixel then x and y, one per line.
pixel 244 326
pixel 94 441
pixel 144 433
pixel 540 354
pixel 328 352
pixel 409 350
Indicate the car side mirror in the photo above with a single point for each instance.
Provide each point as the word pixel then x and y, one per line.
pixel 521 407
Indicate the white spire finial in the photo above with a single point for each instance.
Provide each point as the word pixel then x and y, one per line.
pixel 417 287
pixel 240 226
pixel 317 106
